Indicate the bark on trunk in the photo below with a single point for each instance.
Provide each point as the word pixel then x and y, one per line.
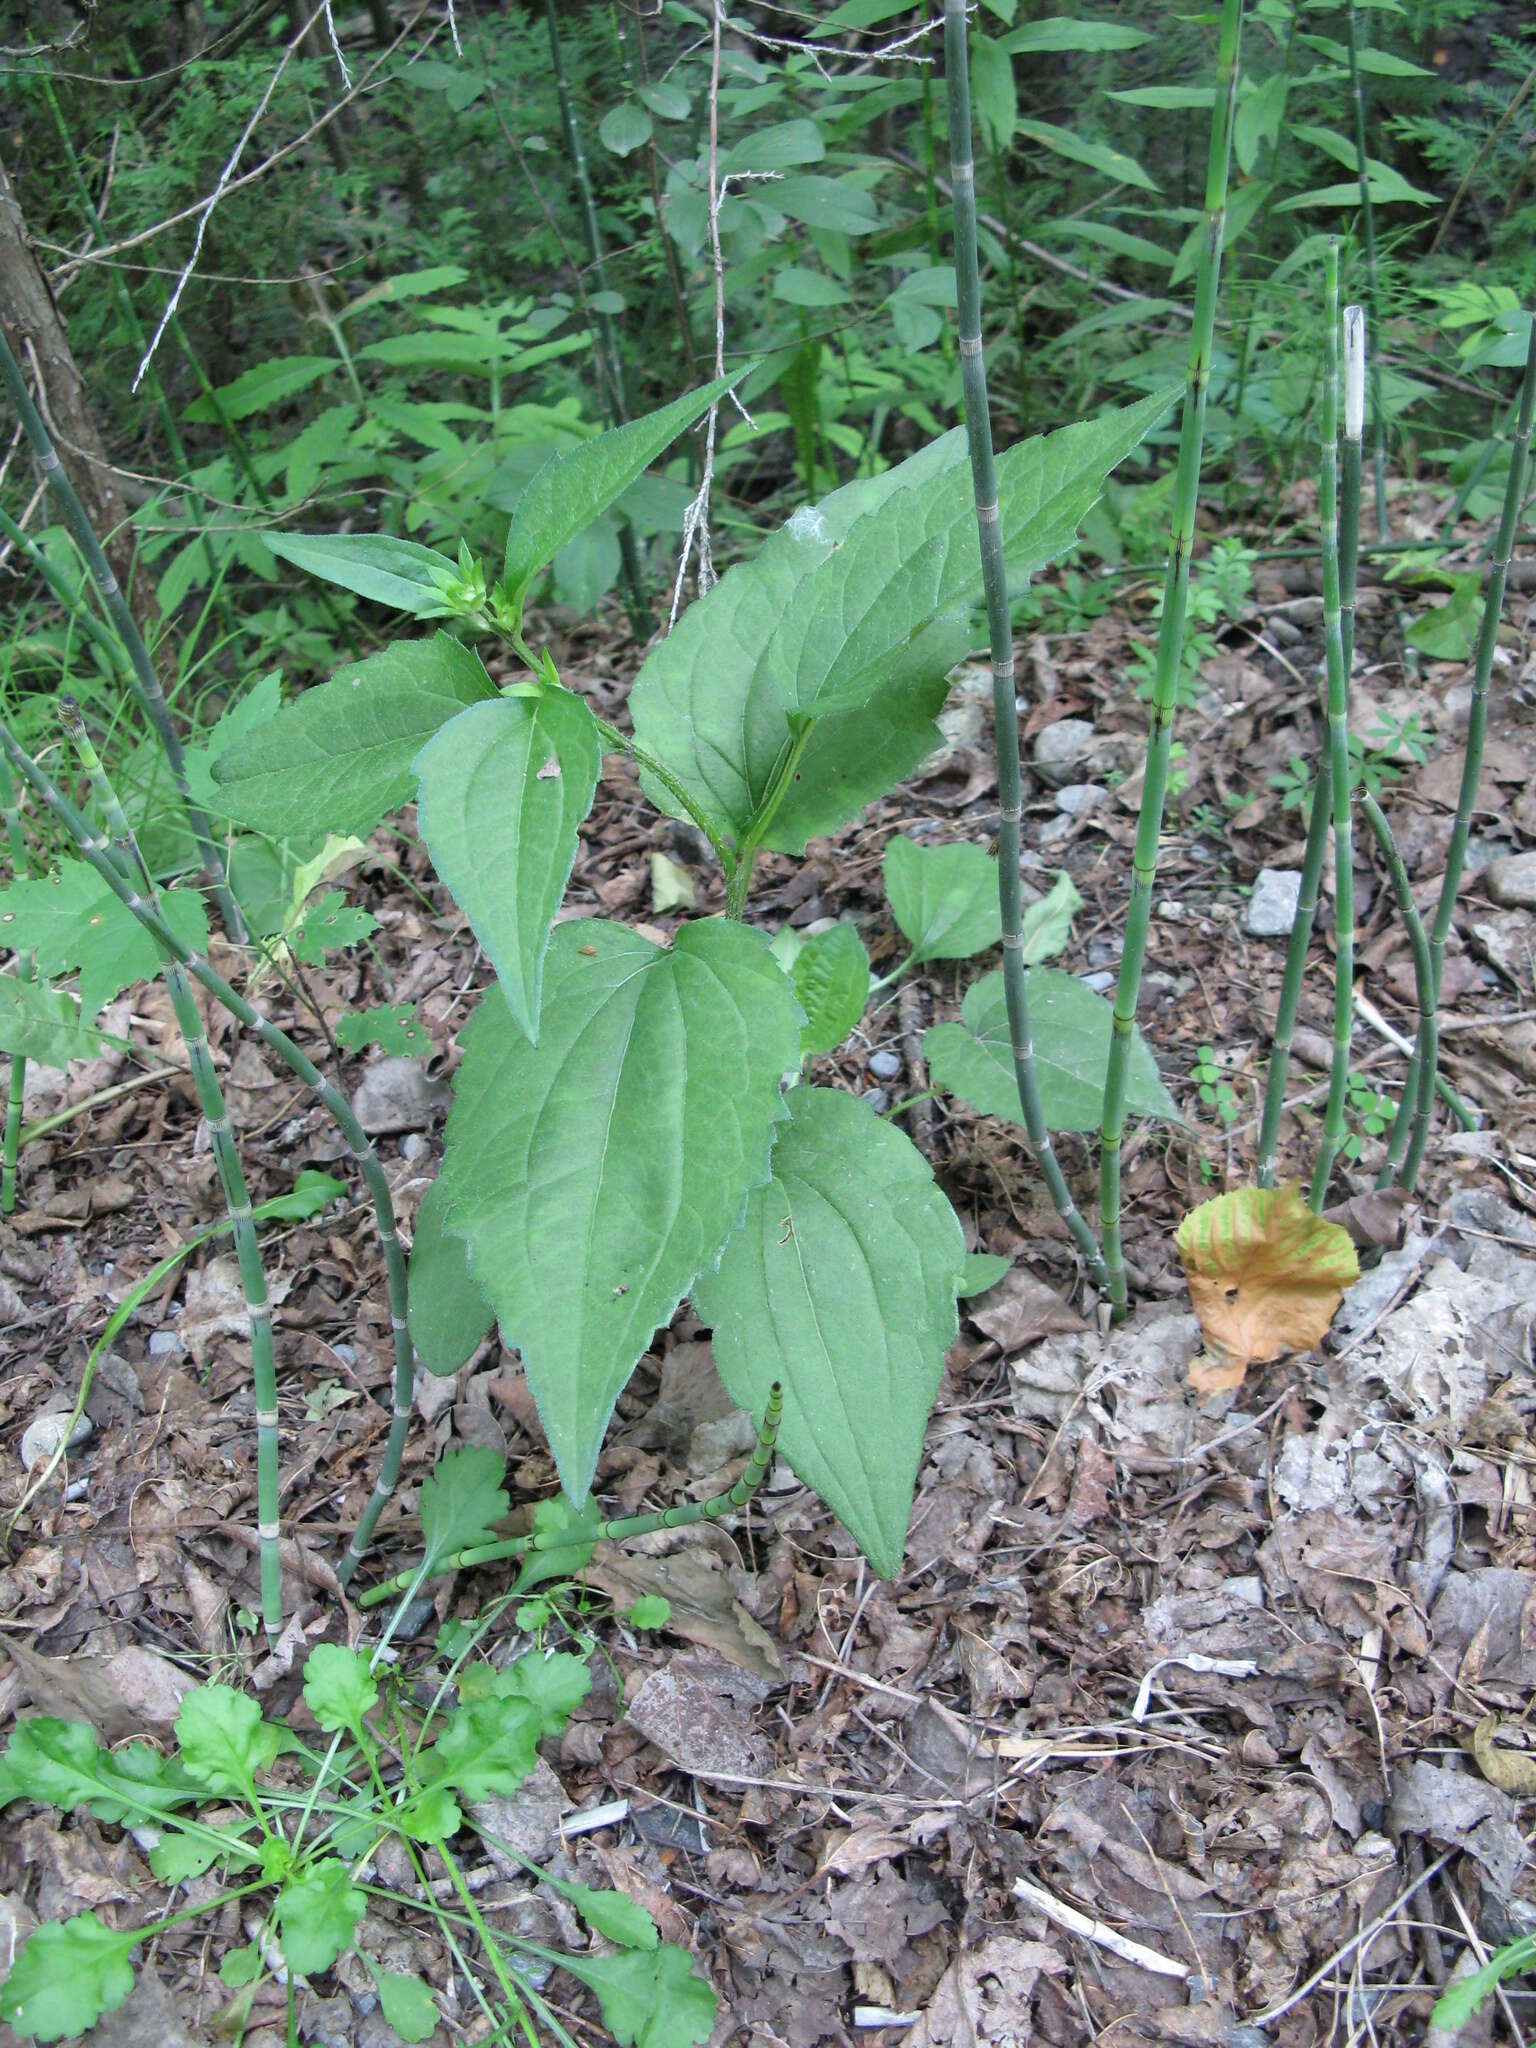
pixel 38 340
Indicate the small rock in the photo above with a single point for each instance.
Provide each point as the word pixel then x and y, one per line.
pixel 412 1145
pixel 1078 797
pixel 1512 881
pixel 1061 748
pixel 1104 979
pixel 878 1099
pixel 885 1066
pixel 346 1353
pixel 1272 906
pixel 45 1433
pixel 165 1344
pixel 397 1095
pixel 1483 852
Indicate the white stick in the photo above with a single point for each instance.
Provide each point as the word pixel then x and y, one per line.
pixel 1074 1922
pixel 1354 372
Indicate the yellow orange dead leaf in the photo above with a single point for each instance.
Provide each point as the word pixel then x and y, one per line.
pixel 1265 1275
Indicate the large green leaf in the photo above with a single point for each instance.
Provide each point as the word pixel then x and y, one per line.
pixel 398 573
pixel 1070 1027
pixel 840 1284
pixel 76 921
pixel 43 1024
pixel 1098 156
pixel 262 385
pixel 851 615
pixel 595 1174
pixel 339 758
pixel 831 977
pixel 501 790
pixel 448 1313
pixel 574 487
pixel 921 557
pixel 943 897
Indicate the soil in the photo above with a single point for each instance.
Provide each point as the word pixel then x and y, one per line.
pixel 1163 1733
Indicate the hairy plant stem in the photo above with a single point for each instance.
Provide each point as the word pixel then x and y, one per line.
pixel 1170 647
pixel 1319 815
pixel 26 971
pixel 1372 296
pixel 1424 982
pixel 709 824
pixel 1338 748
pixel 277 1041
pixel 1477 726
pixel 610 1532
pixel 145 683
pixel 1005 714
pixel 610 372
pixel 132 867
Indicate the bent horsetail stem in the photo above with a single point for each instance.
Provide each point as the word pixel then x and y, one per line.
pixel 1170 648
pixel 237 1201
pixel 298 1063
pixel 1424 983
pixel 26 971
pixel 611 1532
pixel 144 683
pixel 1477 726
pixel 1338 746
pixel 1005 716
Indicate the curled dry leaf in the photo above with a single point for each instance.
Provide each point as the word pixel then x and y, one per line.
pixel 1265 1276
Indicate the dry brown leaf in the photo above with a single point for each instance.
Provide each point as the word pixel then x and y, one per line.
pixel 1512 1770
pixel 131 1692
pixel 1265 1276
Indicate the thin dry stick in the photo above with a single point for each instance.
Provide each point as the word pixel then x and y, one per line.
pixel 205 210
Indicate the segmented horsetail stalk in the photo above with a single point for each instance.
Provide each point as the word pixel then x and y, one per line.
pixel 610 1532
pixel 1170 648
pixel 73 603
pixel 26 972
pixel 297 1062
pixel 131 865
pixel 1424 983
pixel 1322 787
pixel 1005 715
pixel 1368 220
pixel 1477 726
pixel 1338 746
pixel 144 684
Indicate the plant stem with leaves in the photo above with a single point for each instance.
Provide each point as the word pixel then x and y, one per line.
pixel 278 1042
pixel 1005 715
pixel 681 1517
pixel 237 1201
pixel 146 683
pixel 1477 726
pixel 1338 749
pixel 1170 648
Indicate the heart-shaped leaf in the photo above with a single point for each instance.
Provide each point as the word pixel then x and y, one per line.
pixel 1071 1029
pixel 502 789
pixel 594 1174
pixel 448 1314
pixel 944 898
pixel 840 1285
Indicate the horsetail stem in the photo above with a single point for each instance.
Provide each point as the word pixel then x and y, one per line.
pixel 1368 218
pixel 1170 647
pixel 1338 746
pixel 72 602
pixel 1477 726
pixel 1322 788
pixel 1005 715
pixel 144 683
pixel 1424 983
pixel 237 1200
pixel 278 1042
pixel 26 971
pixel 610 1532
